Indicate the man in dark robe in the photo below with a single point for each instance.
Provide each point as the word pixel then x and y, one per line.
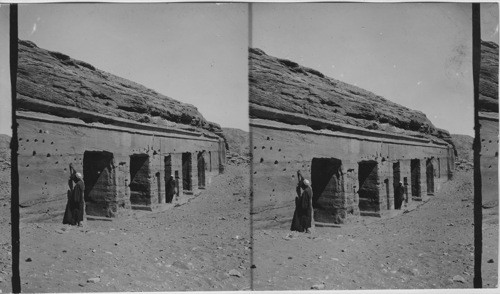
pixel 302 217
pixel 171 187
pixel 79 202
pixel 75 205
pixel 68 216
pixel 400 192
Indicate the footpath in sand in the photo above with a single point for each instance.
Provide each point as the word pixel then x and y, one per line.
pixel 429 247
pixel 203 244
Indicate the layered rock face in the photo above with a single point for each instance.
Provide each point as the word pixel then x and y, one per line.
pixel 488 78
pixel 465 154
pixel 488 121
pixel 46 76
pixel 355 147
pixel 126 140
pixel 238 141
pixel 284 85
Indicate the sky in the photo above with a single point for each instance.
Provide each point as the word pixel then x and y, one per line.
pixel 193 53
pixel 5 98
pixel 417 55
pixel 197 53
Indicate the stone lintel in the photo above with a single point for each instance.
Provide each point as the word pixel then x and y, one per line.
pixel 488 115
pixel 160 132
pixel 374 137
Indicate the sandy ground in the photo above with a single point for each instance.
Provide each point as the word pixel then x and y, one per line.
pixel 204 245
pixel 5 247
pixel 429 247
pixel 201 245
pixel 5 239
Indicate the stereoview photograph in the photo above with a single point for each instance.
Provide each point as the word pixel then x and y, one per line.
pixel 361 122
pixel 121 187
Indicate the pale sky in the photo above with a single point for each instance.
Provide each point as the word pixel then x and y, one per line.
pixel 5 98
pixel 417 55
pixel 197 53
pixel 194 53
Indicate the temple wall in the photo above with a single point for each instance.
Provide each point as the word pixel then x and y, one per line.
pixel 489 157
pixel 280 150
pixel 48 144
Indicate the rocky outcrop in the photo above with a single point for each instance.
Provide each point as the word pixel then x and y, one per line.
pixel 287 87
pixel 465 155
pixel 488 78
pixel 237 141
pixel 238 146
pixel 463 145
pixel 47 78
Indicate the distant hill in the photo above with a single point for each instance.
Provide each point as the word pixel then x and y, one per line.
pixel 45 77
pixel 237 141
pixel 463 145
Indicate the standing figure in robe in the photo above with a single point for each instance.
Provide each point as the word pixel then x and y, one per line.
pixel 171 189
pixel 302 217
pixel 400 194
pixel 75 206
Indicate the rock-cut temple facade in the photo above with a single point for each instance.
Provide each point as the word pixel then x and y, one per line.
pixel 488 123
pixel 125 139
pixel 354 147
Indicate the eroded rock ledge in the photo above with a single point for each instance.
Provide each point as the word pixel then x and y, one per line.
pixel 288 87
pixel 59 79
pixel 488 78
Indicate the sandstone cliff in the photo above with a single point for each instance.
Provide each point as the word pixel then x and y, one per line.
pixel 465 154
pixel 283 85
pixel 488 79
pixel 46 76
pixel 463 144
pixel 237 141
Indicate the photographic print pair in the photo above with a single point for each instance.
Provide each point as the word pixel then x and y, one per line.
pixel 237 146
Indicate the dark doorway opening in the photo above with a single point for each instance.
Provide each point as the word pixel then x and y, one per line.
pixel 140 185
pixel 187 167
pixel 415 177
pixel 328 190
pixel 396 178
pixel 100 182
pixel 168 166
pixel 169 181
pixel 210 160
pixel 387 194
pixel 430 177
pixel 201 170
pixel 439 168
pixel 369 198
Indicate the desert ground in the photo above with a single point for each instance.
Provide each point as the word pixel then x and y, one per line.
pixel 431 246
pixel 203 244
pixel 5 240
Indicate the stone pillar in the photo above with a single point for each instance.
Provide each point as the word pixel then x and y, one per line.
pixel 451 162
pixel 351 184
pixel 122 173
pixel 177 171
pixel 423 178
pixel 386 194
pixel 222 156
pixel 194 171
pixel 154 168
pixel 405 168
